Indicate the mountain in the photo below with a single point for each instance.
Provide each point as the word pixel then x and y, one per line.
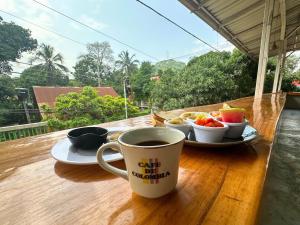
pixel 169 64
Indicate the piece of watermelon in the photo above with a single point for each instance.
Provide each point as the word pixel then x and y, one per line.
pixel 233 115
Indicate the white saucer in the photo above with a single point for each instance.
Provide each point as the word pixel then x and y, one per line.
pixel 248 135
pixel 63 151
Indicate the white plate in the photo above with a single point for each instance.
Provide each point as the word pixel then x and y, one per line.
pixel 249 134
pixel 63 151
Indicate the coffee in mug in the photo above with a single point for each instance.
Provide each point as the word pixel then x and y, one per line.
pixel 152 159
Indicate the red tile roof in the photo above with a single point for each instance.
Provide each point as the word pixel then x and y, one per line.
pixel 47 95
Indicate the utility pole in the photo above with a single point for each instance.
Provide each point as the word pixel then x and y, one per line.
pixel 125 97
pixel 26 111
pixel 98 72
pixel 23 96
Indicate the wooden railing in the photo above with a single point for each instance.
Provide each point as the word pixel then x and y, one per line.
pixel 21 131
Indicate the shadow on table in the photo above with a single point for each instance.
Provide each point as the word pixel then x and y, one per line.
pixel 243 152
pixel 85 173
pixel 132 208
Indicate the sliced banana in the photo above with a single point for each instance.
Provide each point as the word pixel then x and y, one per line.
pixel 188 115
pixel 176 120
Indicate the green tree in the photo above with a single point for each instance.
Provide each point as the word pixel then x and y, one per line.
pixel 95 67
pixel 86 108
pixel 243 71
pixel 115 81
pixel 141 82
pixel 289 73
pixel 84 104
pixel 50 62
pixel 204 80
pixel 86 72
pixel 14 40
pixel 127 64
pixel 287 81
pixel 11 111
pixel 37 76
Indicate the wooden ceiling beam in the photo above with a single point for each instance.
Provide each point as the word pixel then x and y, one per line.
pixel 291 11
pixel 292 32
pixel 275 30
pixel 245 12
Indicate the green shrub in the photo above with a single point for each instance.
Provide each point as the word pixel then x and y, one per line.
pixel 88 108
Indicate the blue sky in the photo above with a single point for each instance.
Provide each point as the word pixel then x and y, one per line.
pixel 126 20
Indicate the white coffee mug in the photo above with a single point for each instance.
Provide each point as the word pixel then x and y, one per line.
pixel 152 170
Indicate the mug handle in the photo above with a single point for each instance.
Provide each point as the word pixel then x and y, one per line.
pixel 105 165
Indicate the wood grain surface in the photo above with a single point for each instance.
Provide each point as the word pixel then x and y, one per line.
pixel 216 186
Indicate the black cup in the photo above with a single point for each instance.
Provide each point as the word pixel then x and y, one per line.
pixel 88 137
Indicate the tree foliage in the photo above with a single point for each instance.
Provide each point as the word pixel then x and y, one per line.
pixel 216 77
pixel 87 107
pixel 127 63
pixel 50 63
pixel 38 76
pixel 141 82
pixel 210 78
pixel 14 40
pixel 116 81
pixel 288 79
pixel 11 111
pixel 242 70
pixel 86 72
pixel 201 82
pixel 95 67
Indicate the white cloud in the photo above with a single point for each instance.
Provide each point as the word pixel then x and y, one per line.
pixel 7 5
pixel 32 12
pixel 97 5
pixel 76 26
pixel 221 44
pixel 92 22
pixel 36 14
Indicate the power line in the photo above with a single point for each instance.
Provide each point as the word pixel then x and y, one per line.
pixel 194 53
pixel 98 31
pixel 176 24
pixel 34 24
pixel 16 72
pixel 25 63
pixel 186 55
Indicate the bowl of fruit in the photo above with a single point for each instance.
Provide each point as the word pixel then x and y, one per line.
pixel 192 116
pixel 179 124
pixel 234 117
pixel 208 130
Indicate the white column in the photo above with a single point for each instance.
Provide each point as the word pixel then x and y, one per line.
pixel 278 69
pixel 264 48
pixel 282 66
pixel 282 46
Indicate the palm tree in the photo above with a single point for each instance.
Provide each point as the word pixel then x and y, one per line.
pixel 50 62
pixel 126 62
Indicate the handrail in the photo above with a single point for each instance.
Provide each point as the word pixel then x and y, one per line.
pixel 20 131
pixel 23 126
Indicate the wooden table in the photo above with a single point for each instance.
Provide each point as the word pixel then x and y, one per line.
pixel 220 186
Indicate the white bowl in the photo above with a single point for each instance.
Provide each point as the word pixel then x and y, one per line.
pixel 235 129
pixel 185 127
pixel 209 134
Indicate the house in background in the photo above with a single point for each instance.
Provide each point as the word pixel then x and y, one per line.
pixel 47 95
